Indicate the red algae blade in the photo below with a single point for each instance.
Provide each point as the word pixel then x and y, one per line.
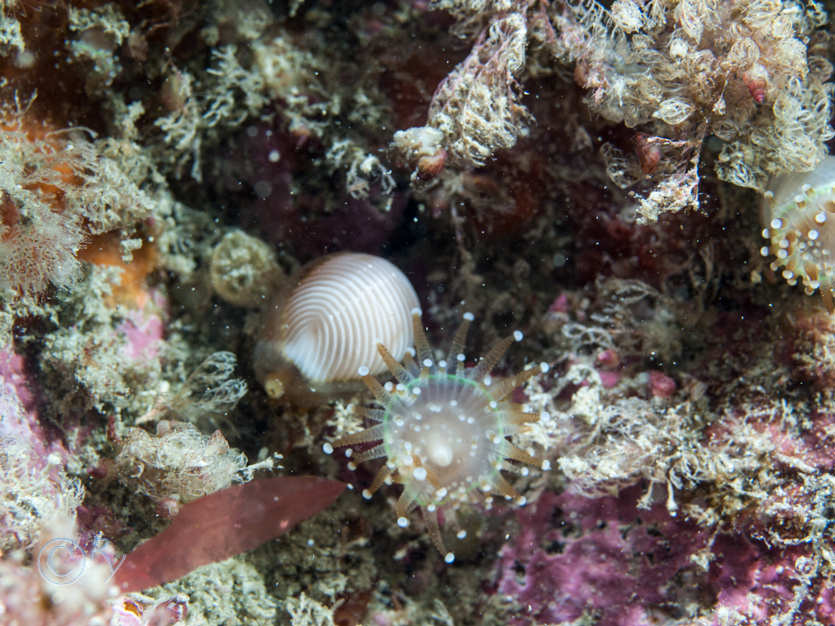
pixel 223 524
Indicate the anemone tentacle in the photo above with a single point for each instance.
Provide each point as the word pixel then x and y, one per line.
pixel 444 427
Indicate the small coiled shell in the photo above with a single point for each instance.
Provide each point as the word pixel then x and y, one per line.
pixel 328 327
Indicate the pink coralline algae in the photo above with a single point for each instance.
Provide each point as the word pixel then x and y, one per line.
pixel 143 332
pixel 767 586
pixel 605 558
pixel 15 386
pixel 29 458
pixel 577 555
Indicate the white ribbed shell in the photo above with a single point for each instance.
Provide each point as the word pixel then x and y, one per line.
pixel 339 312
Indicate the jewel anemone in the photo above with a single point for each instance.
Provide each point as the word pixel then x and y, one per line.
pixel 799 221
pixel 443 428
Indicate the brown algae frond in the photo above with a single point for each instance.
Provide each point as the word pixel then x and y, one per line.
pixel 443 428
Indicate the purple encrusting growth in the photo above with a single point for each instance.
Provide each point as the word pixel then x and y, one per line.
pixel 34 482
pixel 17 403
pixel 576 556
pixel 443 428
pixel 602 556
